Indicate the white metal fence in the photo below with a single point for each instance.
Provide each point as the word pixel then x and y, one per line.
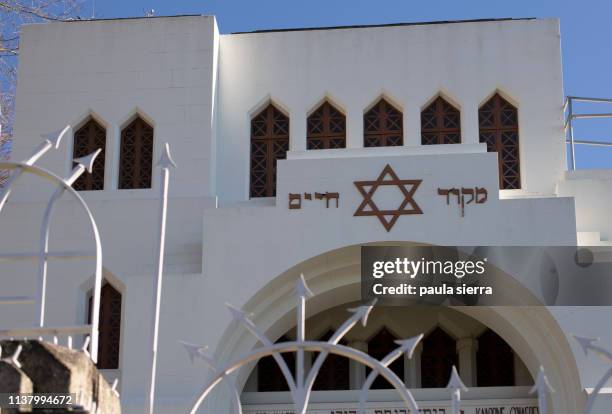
pixel 40 329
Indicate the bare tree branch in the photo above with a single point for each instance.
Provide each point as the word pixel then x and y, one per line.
pixel 14 14
pixel 57 10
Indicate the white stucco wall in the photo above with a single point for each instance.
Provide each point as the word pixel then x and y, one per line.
pixel 592 190
pixel 163 69
pixel 467 62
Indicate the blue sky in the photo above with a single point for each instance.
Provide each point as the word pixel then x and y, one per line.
pixel 586 33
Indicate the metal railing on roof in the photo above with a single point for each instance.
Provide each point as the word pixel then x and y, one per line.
pixel 570 114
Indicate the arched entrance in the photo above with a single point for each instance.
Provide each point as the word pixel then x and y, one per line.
pixel 532 333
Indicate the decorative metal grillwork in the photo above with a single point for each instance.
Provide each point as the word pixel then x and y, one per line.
pixel 112 299
pixel 498 121
pixel 383 126
pixel 378 347
pixel 437 359
pixel 44 255
pixel 269 143
pixel 440 123
pixel 269 375
pixel 300 382
pixel 335 371
pixel 326 128
pixel 109 328
pixel 87 139
pixel 136 160
pixel 494 361
pixel 589 346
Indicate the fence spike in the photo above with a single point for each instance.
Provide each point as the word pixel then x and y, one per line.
pixel 193 351
pixel 85 345
pixel 542 387
pixel 15 357
pixel 114 387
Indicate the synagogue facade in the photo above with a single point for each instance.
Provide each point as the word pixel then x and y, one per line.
pixel 294 148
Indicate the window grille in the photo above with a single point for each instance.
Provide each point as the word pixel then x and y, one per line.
pixel 440 123
pixel 136 160
pixel 383 126
pixel 498 122
pixel 326 128
pixel 269 143
pixel 88 139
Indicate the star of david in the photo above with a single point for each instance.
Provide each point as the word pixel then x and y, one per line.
pixel 387 217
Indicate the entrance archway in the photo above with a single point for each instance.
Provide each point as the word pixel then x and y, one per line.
pixel 334 277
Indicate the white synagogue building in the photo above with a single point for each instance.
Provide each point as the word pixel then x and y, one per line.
pixel 270 131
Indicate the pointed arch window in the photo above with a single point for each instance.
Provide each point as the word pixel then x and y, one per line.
pixel 109 326
pixel 383 126
pixel 326 128
pixel 334 373
pixel 494 361
pixel 136 159
pixel 498 123
pixel 269 143
pixel 378 347
pixel 87 139
pixel 269 375
pixel 437 359
pixel 440 123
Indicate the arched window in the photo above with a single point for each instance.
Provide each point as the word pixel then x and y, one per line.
pixel 269 143
pixel 109 326
pixel 88 139
pixel 136 160
pixel 494 361
pixel 378 347
pixel 270 376
pixel 383 126
pixel 326 128
pixel 334 373
pixel 437 359
pixel 440 123
pixel 498 122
